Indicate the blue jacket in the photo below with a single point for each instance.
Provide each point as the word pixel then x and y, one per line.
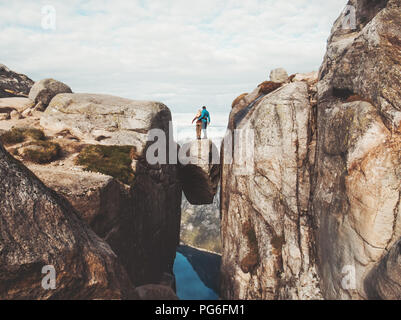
pixel 205 116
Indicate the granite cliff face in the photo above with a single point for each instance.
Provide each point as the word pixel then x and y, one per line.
pixel 100 169
pixel 319 216
pixel 266 226
pixel 146 224
pixel 39 228
pixel 356 197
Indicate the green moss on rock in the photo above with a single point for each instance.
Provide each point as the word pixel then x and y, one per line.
pixel 114 161
pixel 19 135
pixel 41 152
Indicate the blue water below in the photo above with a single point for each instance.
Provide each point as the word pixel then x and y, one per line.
pixel 189 285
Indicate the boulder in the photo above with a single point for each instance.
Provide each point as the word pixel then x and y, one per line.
pixel 13 84
pixel 141 222
pixel 43 91
pixel 199 171
pixel 41 231
pixel 19 104
pixel 356 194
pixel 279 75
pixel 266 224
pixel 90 116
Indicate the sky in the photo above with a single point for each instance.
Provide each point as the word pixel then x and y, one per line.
pixel 184 53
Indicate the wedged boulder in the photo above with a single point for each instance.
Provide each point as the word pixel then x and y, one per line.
pixel 310 77
pixel 356 193
pixel 43 91
pixel 199 171
pixel 40 228
pixel 13 84
pixel 384 281
pixel 266 224
pixel 279 75
pixel 118 121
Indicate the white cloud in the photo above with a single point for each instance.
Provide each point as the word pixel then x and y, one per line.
pixel 185 53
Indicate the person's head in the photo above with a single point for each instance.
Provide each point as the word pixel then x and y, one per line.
pixel 204 107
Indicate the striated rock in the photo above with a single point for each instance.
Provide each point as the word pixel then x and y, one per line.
pixel 278 75
pixel 199 171
pixel 43 91
pixel 266 224
pixel 13 84
pixel 356 194
pixel 384 281
pixel 39 228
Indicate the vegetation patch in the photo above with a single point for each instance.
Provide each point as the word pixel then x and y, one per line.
pixel 251 260
pixel 113 161
pixel 19 135
pixel 268 87
pixel 41 152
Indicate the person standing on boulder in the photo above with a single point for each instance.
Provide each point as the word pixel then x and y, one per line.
pixel 198 124
pixel 205 117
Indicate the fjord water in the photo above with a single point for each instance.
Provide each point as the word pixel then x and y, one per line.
pixel 189 285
